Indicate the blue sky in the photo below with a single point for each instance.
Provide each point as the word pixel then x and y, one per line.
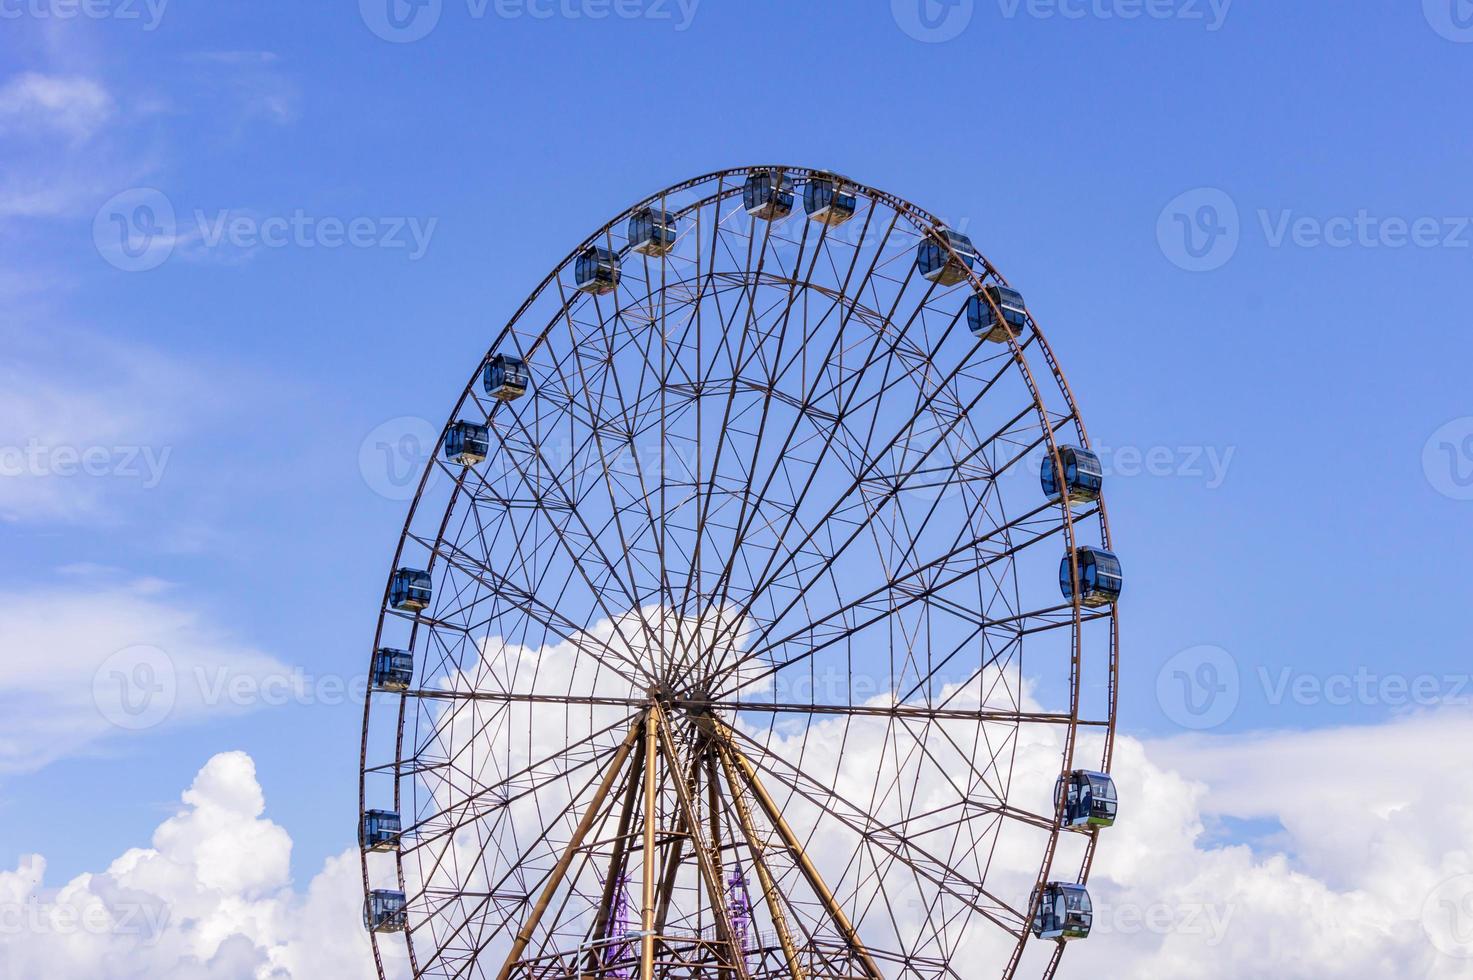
pixel 1306 397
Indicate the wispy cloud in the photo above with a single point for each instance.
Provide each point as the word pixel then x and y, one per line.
pixel 93 660
pixel 86 421
pixel 34 104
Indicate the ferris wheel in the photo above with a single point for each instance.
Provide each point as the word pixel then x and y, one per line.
pixel 756 617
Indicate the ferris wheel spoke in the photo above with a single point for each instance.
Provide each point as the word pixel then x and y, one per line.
pixel 768 387
pixel 556 623
pixel 504 793
pixel 769 573
pixel 750 509
pixel 898 594
pixel 837 419
pixel 632 588
pixel 897 711
pixel 703 503
pixel 877 833
pixel 609 566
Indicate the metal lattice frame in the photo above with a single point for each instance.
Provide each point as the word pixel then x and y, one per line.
pixel 742 595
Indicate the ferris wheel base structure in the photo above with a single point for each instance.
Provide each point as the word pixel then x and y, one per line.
pixel 756 618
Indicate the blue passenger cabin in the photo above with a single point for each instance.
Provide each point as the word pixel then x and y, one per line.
pixel 652 231
pixel 384 911
pixel 410 589
pixel 1064 912
pixel 380 831
pixel 393 669
pixel 768 194
pixel 505 378
pixel 596 270
pixel 946 256
pixel 829 199
pixel 467 443
pixel 1084 476
pixel 1088 799
pixel 1100 579
pixel 984 320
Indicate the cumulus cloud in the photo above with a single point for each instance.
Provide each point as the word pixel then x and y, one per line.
pixel 1365 870
pixel 210 899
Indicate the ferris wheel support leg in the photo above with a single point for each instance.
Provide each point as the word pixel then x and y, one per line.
pixel 595 807
pixel 651 859
pixel 815 881
pixel 759 862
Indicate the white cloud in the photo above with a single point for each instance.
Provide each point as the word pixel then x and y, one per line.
pixel 89 661
pixel 72 106
pixel 59 135
pixel 85 421
pixel 209 900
